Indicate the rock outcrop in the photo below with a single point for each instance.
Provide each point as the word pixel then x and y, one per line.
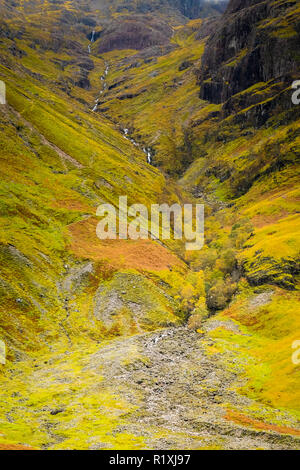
pixel 199 8
pixel 254 42
pixel 134 32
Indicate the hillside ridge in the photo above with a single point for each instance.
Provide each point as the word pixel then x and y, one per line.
pixel 139 344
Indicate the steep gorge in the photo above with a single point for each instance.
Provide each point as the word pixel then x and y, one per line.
pixel 135 344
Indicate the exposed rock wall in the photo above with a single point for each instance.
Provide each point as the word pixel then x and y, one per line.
pixel 199 8
pixel 254 42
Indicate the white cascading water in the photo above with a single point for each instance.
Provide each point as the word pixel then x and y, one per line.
pixel 104 84
pixel 92 41
pixel 126 135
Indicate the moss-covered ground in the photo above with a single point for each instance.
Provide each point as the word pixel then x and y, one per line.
pixel 135 344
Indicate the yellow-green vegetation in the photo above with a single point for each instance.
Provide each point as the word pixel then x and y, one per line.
pixel 123 344
pixel 64 405
pixel 156 98
pixel 262 346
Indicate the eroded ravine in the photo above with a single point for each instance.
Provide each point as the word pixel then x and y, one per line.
pixel 180 392
pixel 156 390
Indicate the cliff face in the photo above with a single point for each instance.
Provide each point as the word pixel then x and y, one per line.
pixel 254 42
pixel 199 8
pixel 186 8
pixel 249 138
pixel 134 32
pixel 237 5
pixel 142 24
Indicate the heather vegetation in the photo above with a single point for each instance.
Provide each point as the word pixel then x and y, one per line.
pixel 137 344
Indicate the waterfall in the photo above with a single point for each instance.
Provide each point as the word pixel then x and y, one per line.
pixel 147 151
pixel 92 40
pixel 104 85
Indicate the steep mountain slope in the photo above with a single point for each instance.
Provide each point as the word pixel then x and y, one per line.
pixel 188 8
pixel 59 162
pixel 253 151
pixel 106 341
pixel 249 158
pixel 247 138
